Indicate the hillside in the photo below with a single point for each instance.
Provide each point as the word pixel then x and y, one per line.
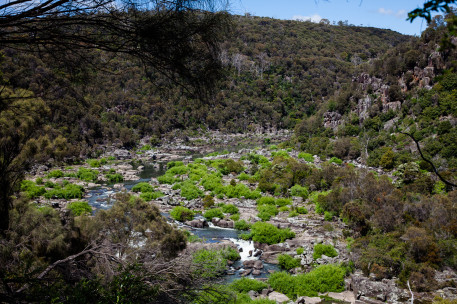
pixel 277 72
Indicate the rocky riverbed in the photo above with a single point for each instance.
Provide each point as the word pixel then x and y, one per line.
pixel 310 228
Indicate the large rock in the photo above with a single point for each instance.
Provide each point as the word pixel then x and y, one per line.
pixel 308 300
pixel 258 264
pixel 346 296
pixel 200 223
pixel 249 263
pixel 278 297
pixel 385 290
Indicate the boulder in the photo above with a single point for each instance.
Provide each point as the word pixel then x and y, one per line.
pixel 346 296
pixel 308 300
pixel 258 264
pixel 278 297
pixel 256 272
pixel 249 263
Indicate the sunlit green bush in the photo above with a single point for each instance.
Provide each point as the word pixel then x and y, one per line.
pixel 181 214
pixel 79 208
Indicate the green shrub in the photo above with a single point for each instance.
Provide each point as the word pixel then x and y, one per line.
pixel 87 175
pixel 235 216
pixel 94 163
pixel 244 176
pixel 215 212
pixel 67 192
pixel 287 262
pixel 293 213
pixel 212 182
pixel 246 285
pixel 269 234
pixel 143 187
pixel 299 191
pixel 283 209
pixel 39 181
pixel 266 212
pixel 79 208
pixel 177 170
pixel 208 263
pixel 300 250
pixel 230 208
pixel 190 191
pixel 324 278
pixel 55 174
pixel 306 156
pixel 283 202
pixel 181 214
pixel 114 178
pixel 266 200
pixel 302 210
pixel 320 249
pixel 146 147
pixel 281 153
pixel 242 225
pixel 336 160
pixel 230 166
pixel 328 216
pixel 240 190
pixel 174 164
pixel 49 184
pixel 149 196
pixel 31 189
pixel 167 179
pixel 230 253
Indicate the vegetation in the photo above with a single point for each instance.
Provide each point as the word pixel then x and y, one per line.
pixel 215 212
pixel 80 208
pixel 324 278
pixel 322 249
pixel 181 214
pixel 287 262
pixel 269 234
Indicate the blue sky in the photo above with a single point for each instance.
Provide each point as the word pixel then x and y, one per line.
pixel 389 14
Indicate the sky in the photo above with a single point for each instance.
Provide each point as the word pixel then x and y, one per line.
pixel 387 14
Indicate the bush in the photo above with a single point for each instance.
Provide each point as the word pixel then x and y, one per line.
pixel 208 263
pixel 235 216
pixel 266 211
pixel 299 191
pixel 246 285
pixel 230 208
pixel 243 176
pixel 68 192
pixel 230 166
pixel 283 209
pixel 94 163
pixel 208 201
pixel 149 196
pixel 300 250
pixel 87 175
pixel 266 200
pixel 212 182
pixel 215 212
pixel 269 234
pixel 242 225
pixel 167 179
pixel 230 253
pixel 31 189
pixel 287 262
pixel 293 213
pixel 328 216
pixel 336 160
pixel 114 178
pixel 320 249
pixel 143 187
pixel 80 208
pixel 283 202
pixel 302 210
pixel 324 278
pixel 55 174
pixel 174 164
pixel 240 190
pixel 181 214
pixel 306 156
pixel 190 191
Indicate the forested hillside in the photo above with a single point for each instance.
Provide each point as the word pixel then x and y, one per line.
pixel 277 72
